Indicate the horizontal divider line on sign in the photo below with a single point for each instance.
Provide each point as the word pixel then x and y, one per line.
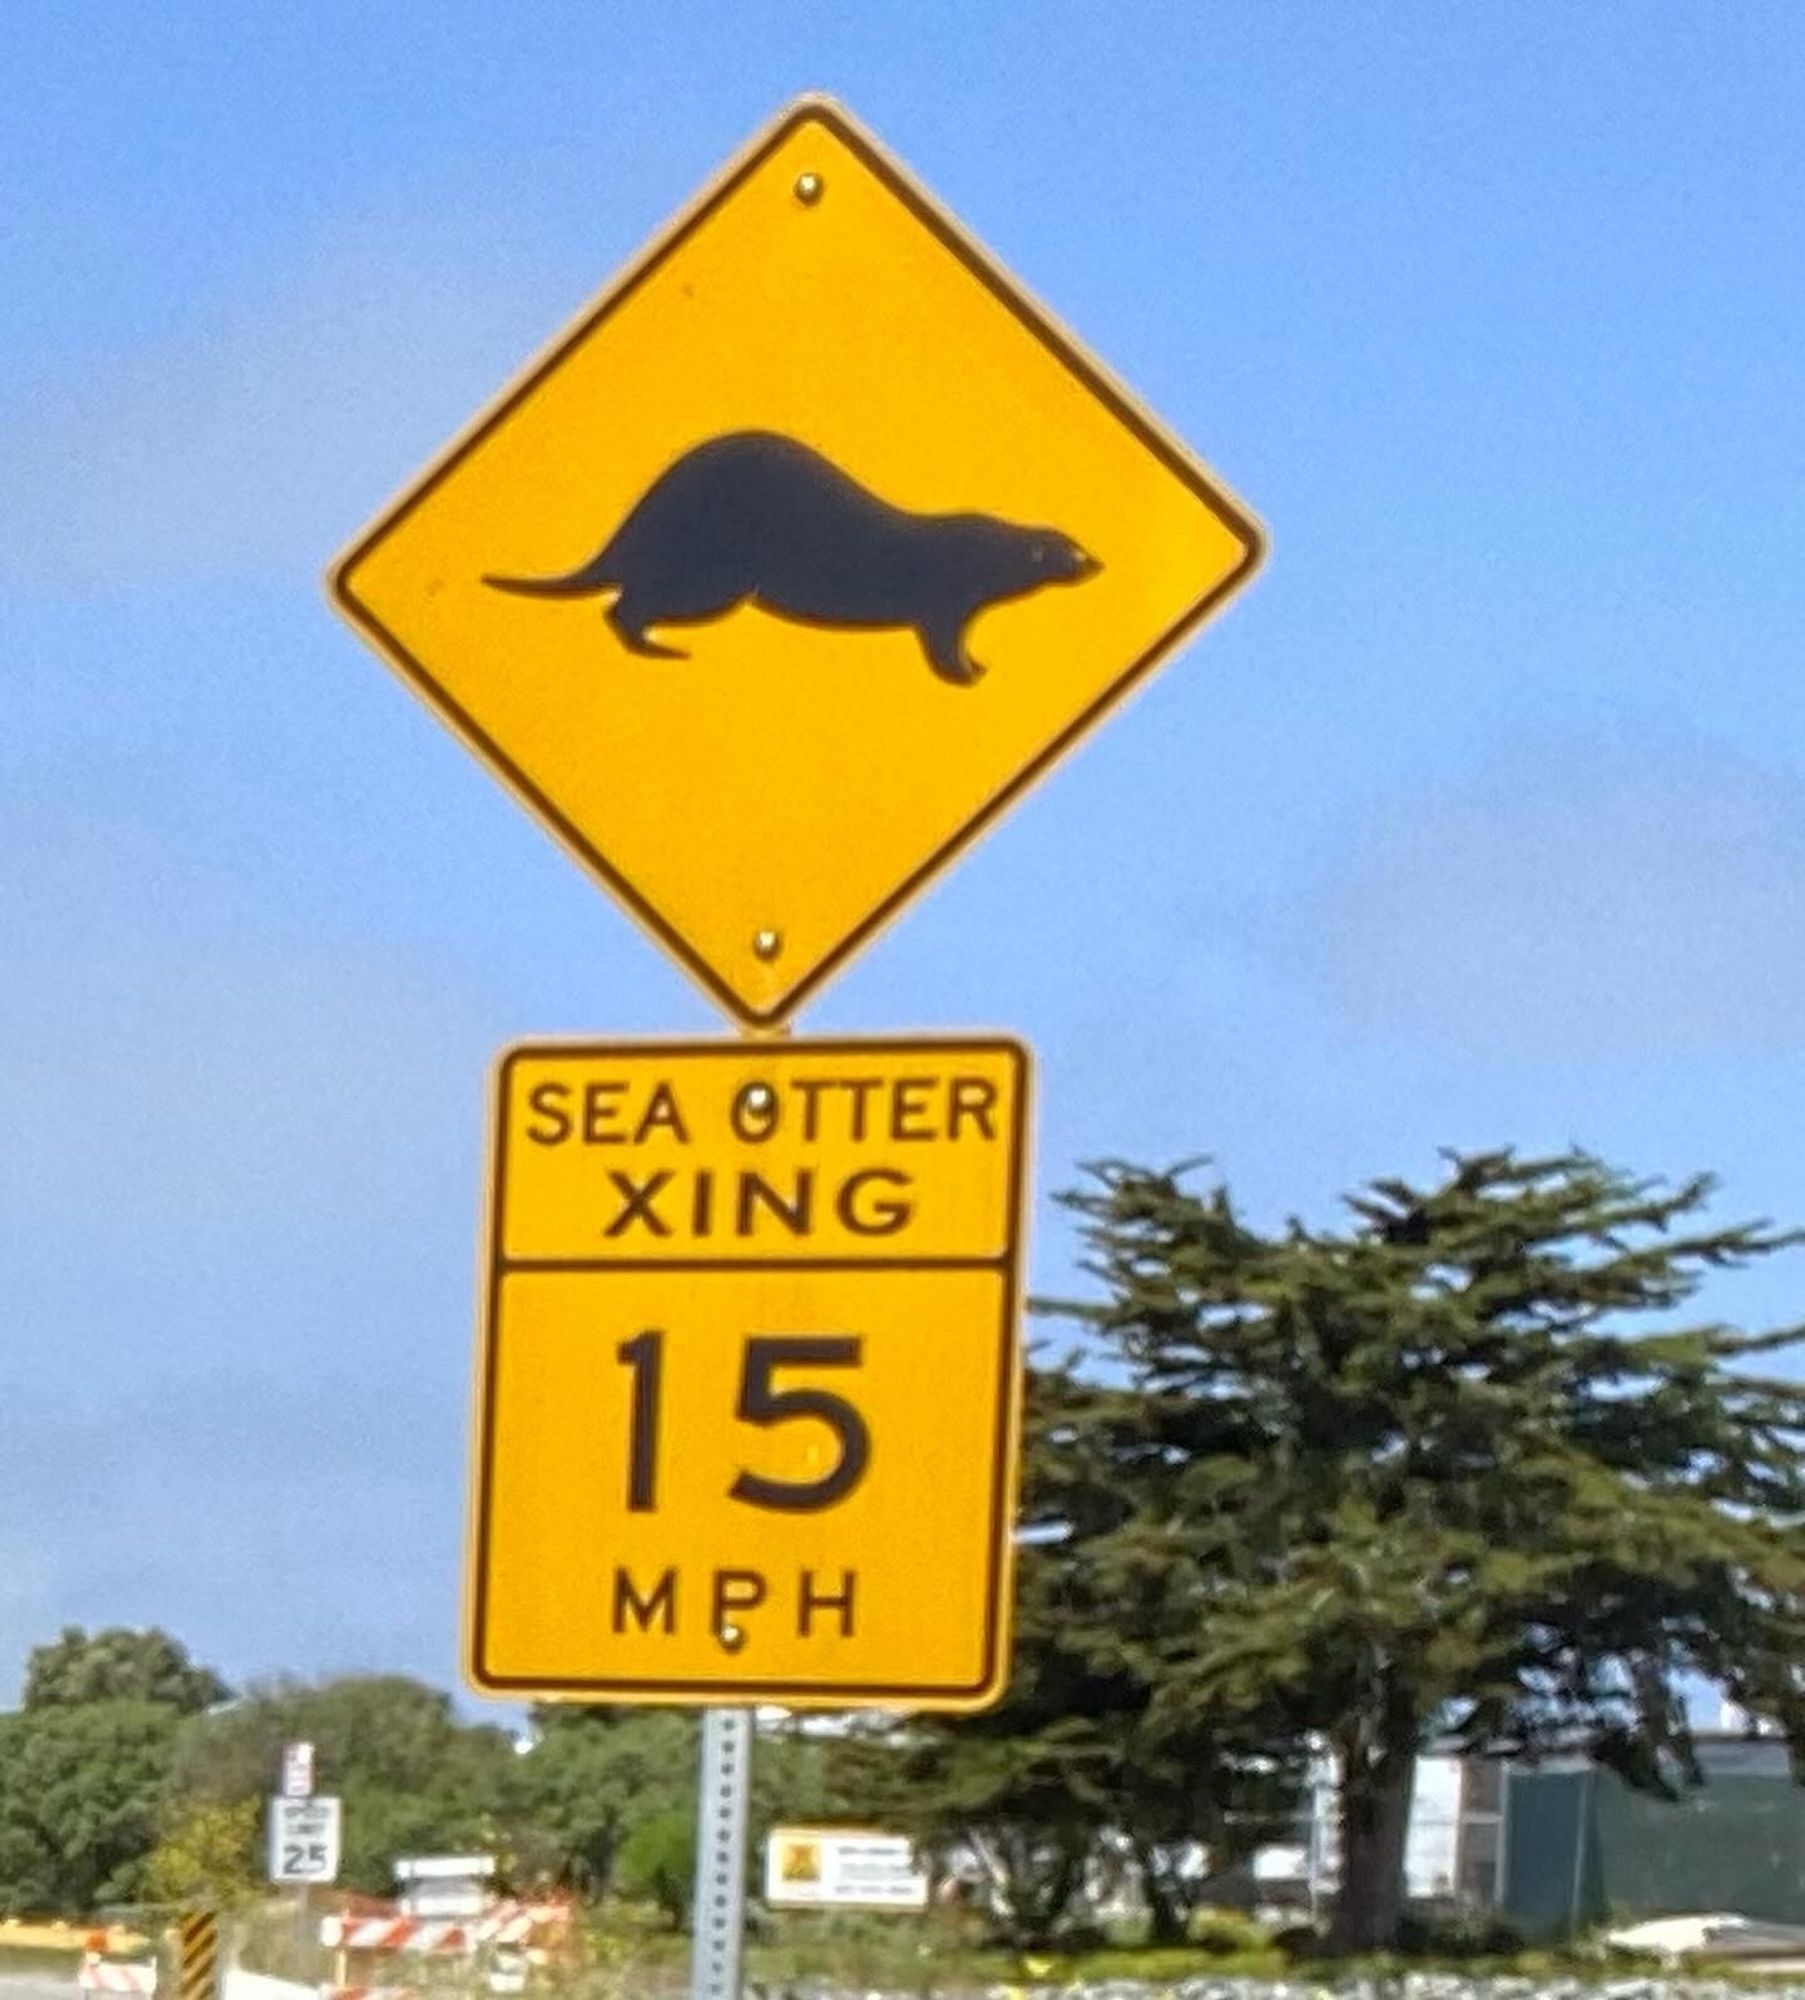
pixel 509 1265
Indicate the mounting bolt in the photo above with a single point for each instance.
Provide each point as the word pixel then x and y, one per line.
pixel 809 189
pixel 732 1638
pixel 767 944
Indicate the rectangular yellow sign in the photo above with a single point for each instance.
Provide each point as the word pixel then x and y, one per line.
pixel 748 1384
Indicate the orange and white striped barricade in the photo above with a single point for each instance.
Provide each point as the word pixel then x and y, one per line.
pixel 105 1975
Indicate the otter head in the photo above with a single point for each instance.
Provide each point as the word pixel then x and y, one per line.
pixel 1055 558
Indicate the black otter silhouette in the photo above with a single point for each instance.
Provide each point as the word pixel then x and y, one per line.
pixel 754 518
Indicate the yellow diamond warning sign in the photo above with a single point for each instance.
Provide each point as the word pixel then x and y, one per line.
pixel 747 1399
pixel 799 557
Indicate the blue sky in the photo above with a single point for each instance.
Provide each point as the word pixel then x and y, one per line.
pixel 1480 819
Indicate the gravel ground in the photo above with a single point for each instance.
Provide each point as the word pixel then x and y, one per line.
pixel 36 1986
pixel 1412 1986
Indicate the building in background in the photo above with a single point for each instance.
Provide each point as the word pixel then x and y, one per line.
pixel 1562 1845
pixel 1452 1853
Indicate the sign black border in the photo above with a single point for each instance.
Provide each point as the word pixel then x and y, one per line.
pixel 823 111
pixel 998 1623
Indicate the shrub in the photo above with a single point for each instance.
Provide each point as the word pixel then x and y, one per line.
pixel 1458 1934
pixel 657 1861
pixel 1222 1933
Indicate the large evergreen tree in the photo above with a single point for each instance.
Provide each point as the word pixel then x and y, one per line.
pixel 1456 1464
pixel 1095 1754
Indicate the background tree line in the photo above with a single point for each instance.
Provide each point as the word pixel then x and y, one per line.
pixel 130 1775
pixel 1461 1465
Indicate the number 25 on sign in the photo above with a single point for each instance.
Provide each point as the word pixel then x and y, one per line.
pixel 748 1387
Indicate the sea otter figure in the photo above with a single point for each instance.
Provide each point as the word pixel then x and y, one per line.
pixel 754 518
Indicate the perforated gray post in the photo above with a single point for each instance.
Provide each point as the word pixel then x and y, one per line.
pixel 720 1906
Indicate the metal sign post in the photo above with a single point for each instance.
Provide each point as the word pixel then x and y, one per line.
pixel 717 1920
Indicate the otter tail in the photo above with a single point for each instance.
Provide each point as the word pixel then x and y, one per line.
pixel 588 581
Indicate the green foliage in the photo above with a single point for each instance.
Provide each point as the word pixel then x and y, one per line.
pixel 657 1862
pixel 1460 1461
pixel 119 1665
pixel 211 1854
pixel 80 1792
pixel 1431 1470
pixel 797 1780
pixel 1462 1934
pixel 589 1777
pixel 1163 1966
pixel 1093 1745
pixel 414 1780
pixel 628 1951
pixel 1223 1933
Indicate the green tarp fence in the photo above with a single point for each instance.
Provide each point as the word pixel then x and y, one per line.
pixel 1581 1848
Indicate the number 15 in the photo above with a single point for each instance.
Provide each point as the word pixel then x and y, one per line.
pixel 761 1402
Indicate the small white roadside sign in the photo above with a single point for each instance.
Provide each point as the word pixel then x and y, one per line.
pixel 304 1840
pixel 297 1771
pixel 445 1885
pixel 818 1867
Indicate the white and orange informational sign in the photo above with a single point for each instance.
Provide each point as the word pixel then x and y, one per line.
pixel 826 1867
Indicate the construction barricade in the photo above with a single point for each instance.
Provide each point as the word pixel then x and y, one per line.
pixel 379 1950
pixel 106 1975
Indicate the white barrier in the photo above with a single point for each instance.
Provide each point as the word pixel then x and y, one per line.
pixel 102 1975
